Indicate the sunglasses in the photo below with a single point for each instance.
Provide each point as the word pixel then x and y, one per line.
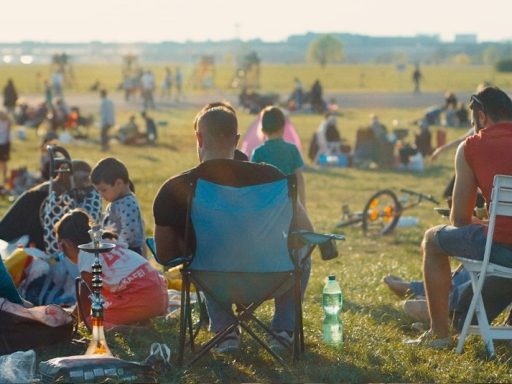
pixel 475 100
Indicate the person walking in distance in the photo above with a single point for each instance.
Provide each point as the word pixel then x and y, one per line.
pixel 107 117
pixel 10 97
pixel 416 78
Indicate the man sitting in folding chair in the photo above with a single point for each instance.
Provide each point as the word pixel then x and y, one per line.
pixel 220 183
pixel 478 159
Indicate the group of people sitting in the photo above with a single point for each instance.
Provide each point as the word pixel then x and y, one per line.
pixel 59 116
pixel 314 98
pixel 131 133
pixel 450 114
pixel 374 145
pixel 135 291
pixel 58 215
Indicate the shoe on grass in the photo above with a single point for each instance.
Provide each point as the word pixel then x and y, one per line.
pixel 417 309
pixel 428 340
pixel 285 337
pixel 419 326
pixel 398 286
pixel 229 343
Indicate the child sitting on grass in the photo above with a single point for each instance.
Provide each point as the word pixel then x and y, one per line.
pixel 122 215
pixel 134 291
pixel 277 152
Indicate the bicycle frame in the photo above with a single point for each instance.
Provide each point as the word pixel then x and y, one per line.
pixel 383 217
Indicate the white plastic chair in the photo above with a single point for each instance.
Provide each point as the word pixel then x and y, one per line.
pixel 501 205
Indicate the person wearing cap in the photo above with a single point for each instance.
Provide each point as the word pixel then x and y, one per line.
pixel 478 159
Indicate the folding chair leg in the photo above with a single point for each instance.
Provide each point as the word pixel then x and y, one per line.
pixel 477 308
pixel 469 316
pixel 204 318
pixel 206 347
pixel 298 342
pixel 183 317
pixel 248 315
pixel 485 328
pixel 264 345
pixel 300 331
pixel 189 320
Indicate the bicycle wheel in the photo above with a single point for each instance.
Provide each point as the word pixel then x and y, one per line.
pixel 381 213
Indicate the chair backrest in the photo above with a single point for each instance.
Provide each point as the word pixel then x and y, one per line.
pixel 242 229
pixel 501 205
pixel 502 195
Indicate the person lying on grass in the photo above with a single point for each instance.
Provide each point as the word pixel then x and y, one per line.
pixel 134 291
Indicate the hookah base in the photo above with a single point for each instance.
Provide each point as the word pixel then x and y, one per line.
pixel 95 369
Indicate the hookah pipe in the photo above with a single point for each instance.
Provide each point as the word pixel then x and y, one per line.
pixel 98 344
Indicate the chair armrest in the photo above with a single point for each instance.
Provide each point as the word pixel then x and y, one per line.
pixel 174 262
pixel 325 241
pixel 150 242
pixel 313 238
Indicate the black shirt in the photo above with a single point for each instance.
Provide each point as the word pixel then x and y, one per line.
pixel 170 205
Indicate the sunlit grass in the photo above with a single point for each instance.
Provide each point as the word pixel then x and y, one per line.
pixel 374 324
pixel 275 77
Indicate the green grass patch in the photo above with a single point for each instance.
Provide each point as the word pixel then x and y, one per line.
pixel 276 77
pixel 374 324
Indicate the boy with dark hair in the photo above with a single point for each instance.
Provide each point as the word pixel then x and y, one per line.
pixel 277 152
pixel 111 179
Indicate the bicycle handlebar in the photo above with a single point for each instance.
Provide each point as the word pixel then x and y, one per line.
pixel 420 195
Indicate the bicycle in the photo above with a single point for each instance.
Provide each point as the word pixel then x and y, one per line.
pixel 382 211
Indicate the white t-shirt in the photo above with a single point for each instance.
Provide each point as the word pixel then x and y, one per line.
pixel 120 266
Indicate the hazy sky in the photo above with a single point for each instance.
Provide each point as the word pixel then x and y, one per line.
pixel 270 20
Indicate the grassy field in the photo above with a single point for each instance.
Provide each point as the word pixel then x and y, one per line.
pixel 374 324
pixel 274 77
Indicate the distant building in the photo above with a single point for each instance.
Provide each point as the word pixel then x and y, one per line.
pixel 466 38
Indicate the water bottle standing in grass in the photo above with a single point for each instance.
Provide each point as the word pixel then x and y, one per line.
pixel 332 301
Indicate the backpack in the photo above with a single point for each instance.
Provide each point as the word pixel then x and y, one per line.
pixel 27 328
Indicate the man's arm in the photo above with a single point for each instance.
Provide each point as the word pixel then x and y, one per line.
pixel 301 221
pixel 302 218
pixel 464 191
pixel 168 244
pixel 454 143
pixel 301 187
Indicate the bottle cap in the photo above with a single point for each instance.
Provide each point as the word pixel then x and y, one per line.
pixel 332 277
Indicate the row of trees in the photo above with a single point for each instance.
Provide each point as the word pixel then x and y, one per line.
pixel 329 49
pixel 326 49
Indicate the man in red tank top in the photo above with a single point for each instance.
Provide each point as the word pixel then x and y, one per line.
pixel 478 159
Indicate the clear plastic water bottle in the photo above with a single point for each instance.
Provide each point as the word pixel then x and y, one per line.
pixel 332 301
pixel 407 221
